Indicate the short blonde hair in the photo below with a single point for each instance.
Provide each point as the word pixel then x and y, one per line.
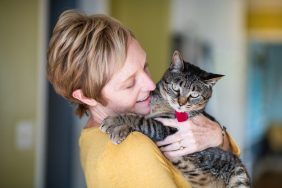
pixel 84 51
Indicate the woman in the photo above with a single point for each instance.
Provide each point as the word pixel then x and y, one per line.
pixel 97 64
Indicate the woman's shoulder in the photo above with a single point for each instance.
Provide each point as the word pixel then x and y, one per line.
pixel 136 145
pixel 92 143
pixel 136 152
pixel 91 137
pixel 139 139
pixel 125 163
pixel 92 140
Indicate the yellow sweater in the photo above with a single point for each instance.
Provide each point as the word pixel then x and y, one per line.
pixel 135 163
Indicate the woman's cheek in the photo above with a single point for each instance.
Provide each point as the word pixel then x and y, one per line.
pixel 131 103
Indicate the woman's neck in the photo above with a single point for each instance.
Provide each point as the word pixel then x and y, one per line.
pixel 98 113
pixel 91 123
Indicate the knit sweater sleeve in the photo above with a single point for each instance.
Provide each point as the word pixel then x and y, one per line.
pixel 233 145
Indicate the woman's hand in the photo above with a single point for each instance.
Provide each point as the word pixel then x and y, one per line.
pixel 195 134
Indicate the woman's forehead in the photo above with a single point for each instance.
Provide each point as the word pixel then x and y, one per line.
pixel 134 62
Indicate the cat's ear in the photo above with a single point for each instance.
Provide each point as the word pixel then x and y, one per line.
pixel 177 63
pixel 211 78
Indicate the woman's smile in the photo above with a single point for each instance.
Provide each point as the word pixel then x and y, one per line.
pixel 145 99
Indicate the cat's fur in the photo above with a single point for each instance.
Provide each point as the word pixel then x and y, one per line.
pixel 186 88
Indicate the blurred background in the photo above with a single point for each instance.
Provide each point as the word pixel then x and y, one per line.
pixel 241 39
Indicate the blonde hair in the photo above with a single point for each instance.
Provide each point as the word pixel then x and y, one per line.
pixel 84 51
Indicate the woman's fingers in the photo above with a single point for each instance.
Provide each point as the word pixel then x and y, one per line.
pixel 178 153
pixel 184 130
pixel 170 139
pixel 172 147
pixel 195 134
pixel 173 122
pixel 168 122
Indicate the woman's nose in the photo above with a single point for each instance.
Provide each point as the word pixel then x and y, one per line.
pixel 147 83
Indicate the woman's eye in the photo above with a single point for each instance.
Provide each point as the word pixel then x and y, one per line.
pixel 129 86
pixel 194 95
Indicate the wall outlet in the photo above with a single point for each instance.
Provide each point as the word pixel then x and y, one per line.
pixel 24 135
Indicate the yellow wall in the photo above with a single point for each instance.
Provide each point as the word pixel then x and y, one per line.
pixel 149 21
pixel 265 19
pixel 18 88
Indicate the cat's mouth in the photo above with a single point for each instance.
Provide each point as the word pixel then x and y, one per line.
pixel 182 108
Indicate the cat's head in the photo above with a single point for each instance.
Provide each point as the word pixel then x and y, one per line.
pixel 185 86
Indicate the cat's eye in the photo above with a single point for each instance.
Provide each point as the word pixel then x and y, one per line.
pixel 175 89
pixel 194 94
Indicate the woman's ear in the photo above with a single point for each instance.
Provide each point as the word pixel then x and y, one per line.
pixel 78 94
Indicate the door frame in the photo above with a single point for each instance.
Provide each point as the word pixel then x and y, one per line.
pixel 40 145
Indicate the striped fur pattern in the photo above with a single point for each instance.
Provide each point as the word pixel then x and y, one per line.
pixel 186 88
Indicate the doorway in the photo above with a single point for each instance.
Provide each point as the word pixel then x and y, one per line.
pixel 264 112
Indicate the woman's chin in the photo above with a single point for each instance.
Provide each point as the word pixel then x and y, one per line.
pixel 142 111
pixel 143 107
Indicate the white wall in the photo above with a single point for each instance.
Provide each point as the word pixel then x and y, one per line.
pixel 40 155
pixel 221 24
pixel 94 6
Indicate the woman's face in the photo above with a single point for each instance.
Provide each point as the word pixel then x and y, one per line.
pixel 129 89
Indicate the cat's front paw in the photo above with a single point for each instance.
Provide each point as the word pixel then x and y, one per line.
pixel 108 124
pixel 119 134
pixel 116 129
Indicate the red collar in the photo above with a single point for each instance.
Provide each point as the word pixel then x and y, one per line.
pixel 181 116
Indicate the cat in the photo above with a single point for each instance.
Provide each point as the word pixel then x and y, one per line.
pixel 186 88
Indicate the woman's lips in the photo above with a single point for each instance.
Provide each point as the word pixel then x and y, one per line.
pixel 143 100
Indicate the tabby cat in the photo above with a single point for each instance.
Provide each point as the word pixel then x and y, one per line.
pixel 185 88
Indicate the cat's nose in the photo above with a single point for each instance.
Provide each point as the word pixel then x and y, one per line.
pixel 182 101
